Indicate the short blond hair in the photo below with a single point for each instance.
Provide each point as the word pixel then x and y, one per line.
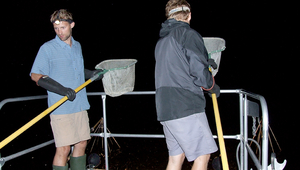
pixel 179 15
pixel 63 14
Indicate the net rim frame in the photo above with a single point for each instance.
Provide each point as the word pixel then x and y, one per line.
pixel 117 68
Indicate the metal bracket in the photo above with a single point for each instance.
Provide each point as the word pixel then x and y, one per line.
pixel 253 109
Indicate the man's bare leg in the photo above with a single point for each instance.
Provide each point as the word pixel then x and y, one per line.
pixel 61 156
pixel 175 162
pixel 201 162
pixel 78 158
pixel 62 153
pixel 79 149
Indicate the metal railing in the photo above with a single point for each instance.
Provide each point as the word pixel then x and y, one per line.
pixel 243 136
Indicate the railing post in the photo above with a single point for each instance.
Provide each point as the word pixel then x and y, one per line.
pixel 245 138
pixel 105 131
pixel 241 129
pixel 265 129
pixel 0 162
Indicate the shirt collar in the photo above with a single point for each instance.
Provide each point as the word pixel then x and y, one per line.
pixel 63 44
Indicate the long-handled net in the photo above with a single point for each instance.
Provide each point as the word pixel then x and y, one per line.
pixel 118 79
pixel 214 47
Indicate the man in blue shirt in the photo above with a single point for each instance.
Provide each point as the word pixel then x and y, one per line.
pixel 59 69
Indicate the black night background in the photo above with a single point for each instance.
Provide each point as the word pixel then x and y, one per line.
pixel 260 57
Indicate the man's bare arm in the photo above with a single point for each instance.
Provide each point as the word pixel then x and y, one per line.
pixel 35 77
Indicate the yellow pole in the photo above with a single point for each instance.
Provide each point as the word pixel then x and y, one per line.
pixel 220 133
pixel 40 116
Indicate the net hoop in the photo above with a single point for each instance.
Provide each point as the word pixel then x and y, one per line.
pixel 119 77
pixel 214 47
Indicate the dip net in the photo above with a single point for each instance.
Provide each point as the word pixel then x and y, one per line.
pixel 214 47
pixel 119 76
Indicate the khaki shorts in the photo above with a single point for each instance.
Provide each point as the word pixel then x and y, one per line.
pixel 69 129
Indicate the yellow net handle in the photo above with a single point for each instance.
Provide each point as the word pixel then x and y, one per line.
pixel 44 113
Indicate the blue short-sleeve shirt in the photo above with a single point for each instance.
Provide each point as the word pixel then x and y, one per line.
pixel 65 65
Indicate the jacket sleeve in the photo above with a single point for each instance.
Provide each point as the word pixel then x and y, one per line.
pixel 198 59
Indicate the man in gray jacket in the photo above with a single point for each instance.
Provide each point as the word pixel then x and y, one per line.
pixel 181 75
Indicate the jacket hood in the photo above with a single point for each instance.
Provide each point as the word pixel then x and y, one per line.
pixel 170 25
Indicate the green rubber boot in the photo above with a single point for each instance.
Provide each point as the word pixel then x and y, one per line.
pixel 78 163
pixel 60 167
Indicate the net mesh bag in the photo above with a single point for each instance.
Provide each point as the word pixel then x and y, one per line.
pixel 120 76
pixel 214 47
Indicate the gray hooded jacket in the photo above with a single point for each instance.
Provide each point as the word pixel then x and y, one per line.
pixel 180 71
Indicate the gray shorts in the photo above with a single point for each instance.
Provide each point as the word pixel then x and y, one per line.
pixel 190 135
